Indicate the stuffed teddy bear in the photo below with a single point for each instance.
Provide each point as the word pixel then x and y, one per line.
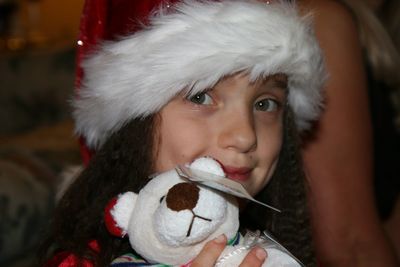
pixel 170 220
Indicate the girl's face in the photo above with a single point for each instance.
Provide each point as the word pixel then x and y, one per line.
pixel 237 123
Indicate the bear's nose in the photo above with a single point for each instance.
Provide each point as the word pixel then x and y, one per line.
pixel 182 196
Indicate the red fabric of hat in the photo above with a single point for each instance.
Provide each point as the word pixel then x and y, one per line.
pixel 107 20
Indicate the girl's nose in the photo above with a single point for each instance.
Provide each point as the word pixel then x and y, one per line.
pixel 238 132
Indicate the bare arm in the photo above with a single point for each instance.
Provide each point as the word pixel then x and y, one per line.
pixel 338 160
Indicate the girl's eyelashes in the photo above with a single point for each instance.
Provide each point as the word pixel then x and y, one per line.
pixel 202 99
pixel 267 105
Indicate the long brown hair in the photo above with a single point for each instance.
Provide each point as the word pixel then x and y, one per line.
pixel 122 164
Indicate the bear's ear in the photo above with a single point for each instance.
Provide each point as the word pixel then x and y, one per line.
pixel 118 213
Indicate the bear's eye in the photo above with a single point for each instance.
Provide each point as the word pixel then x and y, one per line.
pixel 161 199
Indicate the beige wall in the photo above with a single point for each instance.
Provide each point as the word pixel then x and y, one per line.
pixel 61 16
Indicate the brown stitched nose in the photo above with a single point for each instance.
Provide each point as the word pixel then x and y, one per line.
pixel 182 196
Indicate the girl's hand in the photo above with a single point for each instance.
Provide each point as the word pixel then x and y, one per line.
pixel 212 250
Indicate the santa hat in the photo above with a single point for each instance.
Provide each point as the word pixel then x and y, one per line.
pixel 163 48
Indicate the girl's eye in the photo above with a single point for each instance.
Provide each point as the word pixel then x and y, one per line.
pixel 267 105
pixel 202 99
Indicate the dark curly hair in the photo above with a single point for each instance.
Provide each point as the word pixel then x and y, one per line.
pixel 123 164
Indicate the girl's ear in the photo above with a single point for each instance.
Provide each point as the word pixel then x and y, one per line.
pixel 118 213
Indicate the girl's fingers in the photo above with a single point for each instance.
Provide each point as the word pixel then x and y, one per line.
pixel 210 252
pixel 255 258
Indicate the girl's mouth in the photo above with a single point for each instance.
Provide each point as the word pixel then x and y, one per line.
pixel 239 174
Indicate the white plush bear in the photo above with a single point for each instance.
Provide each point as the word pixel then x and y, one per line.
pixel 171 219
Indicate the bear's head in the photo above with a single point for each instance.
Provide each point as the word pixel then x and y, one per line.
pixel 171 219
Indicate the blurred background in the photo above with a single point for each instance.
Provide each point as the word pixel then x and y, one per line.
pixel 37 57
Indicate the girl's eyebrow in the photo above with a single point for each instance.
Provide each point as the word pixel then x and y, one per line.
pixel 276 82
pixel 280 83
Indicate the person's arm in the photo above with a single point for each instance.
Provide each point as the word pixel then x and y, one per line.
pixel 338 160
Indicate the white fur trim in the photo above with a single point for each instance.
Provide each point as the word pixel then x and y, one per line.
pixel 192 48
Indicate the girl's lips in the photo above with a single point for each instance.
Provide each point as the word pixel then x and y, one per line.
pixel 238 174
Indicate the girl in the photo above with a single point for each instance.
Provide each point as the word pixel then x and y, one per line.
pixel 234 80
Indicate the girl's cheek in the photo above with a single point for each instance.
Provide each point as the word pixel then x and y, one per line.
pixel 269 118
pixel 182 143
